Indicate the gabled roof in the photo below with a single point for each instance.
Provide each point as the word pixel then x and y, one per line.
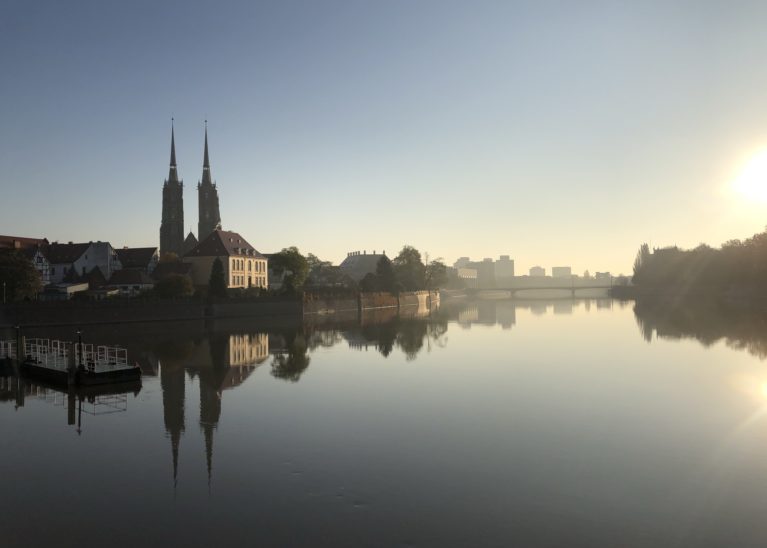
pixel 30 252
pixel 136 257
pixel 65 253
pixel 130 277
pixel 19 242
pixel 224 243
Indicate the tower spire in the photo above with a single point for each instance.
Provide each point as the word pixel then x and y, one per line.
pixel 172 223
pixel 206 162
pixel 172 145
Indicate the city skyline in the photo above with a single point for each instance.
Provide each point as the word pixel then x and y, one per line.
pixel 554 134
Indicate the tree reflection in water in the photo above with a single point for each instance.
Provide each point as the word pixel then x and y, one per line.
pixel 291 363
pixel 706 321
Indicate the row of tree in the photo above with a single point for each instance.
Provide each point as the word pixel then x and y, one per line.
pixel 737 264
pixel 408 271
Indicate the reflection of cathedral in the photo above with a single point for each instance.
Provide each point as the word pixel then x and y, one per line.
pixel 219 362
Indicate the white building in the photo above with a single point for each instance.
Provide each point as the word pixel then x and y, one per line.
pixel 81 259
pixel 561 272
pixel 537 272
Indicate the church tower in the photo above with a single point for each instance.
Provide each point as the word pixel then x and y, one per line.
pixel 172 225
pixel 207 196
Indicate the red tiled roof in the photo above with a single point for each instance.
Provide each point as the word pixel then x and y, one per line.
pixel 224 243
pixel 18 242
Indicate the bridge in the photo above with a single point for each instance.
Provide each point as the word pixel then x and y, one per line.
pixel 572 286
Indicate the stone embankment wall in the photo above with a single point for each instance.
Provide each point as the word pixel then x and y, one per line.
pixel 378 300
pixel 324 304
pixel 329 303
pixel 270 308
pixel 79 313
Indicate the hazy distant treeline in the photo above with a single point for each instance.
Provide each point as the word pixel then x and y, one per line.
pixel 738 264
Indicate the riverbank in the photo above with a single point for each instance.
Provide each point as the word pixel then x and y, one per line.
pixel 65 313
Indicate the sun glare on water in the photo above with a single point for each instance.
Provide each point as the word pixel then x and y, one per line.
pixel 751 183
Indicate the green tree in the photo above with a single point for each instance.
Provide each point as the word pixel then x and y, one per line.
pixel 641 260
pixel 18 277
pixel 293 266
pixel 315 262
pixel 386 277
pixel 409 269
pixel 435 274
pixel 174 286
pixel 217 284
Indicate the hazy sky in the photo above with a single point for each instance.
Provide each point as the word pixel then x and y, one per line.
pixel 557 133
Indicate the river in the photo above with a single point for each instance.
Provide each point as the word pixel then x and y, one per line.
pixel 484 423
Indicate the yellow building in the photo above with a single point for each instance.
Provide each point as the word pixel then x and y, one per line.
pixel 243 265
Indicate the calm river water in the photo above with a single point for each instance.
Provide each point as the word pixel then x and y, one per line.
pixel 490 423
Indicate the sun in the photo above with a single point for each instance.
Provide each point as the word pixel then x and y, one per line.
pixel 751 183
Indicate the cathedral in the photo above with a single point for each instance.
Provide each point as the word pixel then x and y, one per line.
pixel 172 225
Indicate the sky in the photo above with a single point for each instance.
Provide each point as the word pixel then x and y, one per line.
pixel 559 133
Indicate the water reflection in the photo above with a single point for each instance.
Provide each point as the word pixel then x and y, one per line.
pixel 337 431
pixel 290 355
pixel 88 400
pixel 220 362
pixel 707 322
pixel 222 355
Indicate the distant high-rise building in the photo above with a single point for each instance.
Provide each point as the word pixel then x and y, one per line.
pixel 537 272
pixel 561 272
pixel 485 273
pixel 172 224
pixel 504 271
pixel 207 195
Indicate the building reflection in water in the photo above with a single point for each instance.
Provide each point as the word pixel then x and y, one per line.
pixel 219 362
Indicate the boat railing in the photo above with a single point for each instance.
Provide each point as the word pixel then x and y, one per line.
pixel 100 359
pixel 54 354
pixel 47 353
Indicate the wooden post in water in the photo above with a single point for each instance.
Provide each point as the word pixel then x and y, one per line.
pixel 72 373
pixel 19 349
pixel 71 404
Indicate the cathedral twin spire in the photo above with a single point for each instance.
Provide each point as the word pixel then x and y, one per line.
pixel 172 225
